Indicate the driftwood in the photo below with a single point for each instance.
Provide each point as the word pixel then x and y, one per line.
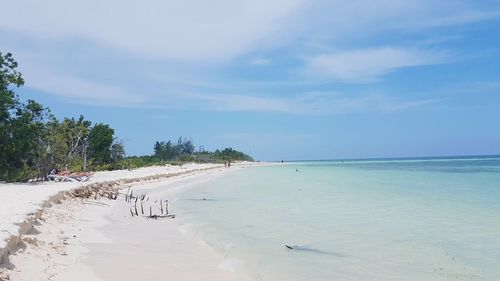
pixel 111 191
pixel 160 217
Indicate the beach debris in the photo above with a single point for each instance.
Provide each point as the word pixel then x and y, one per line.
pixel 161 216
pixel 315 251
pixel 111 191
pixel 163 208
pixel 96 191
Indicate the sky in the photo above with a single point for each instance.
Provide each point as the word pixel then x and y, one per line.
pixel 279 79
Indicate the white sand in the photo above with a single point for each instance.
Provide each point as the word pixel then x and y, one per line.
pixel 99 240
pixel 19 201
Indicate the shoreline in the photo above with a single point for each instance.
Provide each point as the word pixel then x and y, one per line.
pixel 42 232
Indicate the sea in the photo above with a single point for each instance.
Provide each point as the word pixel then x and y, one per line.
pixel 360 220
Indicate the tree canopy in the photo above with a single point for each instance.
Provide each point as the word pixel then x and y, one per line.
pixel 22 126
pixel 184 150
pixel 32 141
pixel 167 150
pixel 100 140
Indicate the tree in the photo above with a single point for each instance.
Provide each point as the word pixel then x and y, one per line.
pixel 100 141
pixel 168 151
pixel 117 152
pixel 68 141
pixel 32 141
pixel 187 147
pixel 229 154
pixel 9 76
pixel 21 126
pixel 165 150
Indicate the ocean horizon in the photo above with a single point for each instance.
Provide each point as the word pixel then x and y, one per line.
pixel 402 158
pixel 431 218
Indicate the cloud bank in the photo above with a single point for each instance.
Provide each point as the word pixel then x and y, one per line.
pixel 222 41
pixel 368 65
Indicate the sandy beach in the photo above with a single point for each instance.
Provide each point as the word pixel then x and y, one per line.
pixel 50 236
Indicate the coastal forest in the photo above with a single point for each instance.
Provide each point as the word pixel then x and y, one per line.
pixel 33 141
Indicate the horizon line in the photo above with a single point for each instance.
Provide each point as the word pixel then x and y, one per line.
pixel 398 158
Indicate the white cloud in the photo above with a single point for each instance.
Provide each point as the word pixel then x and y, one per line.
pixel 309 103
pixel 179 30
pixel 260 61
pixel 196 30
pixel 338 20
pixel 77 90
pixel 461 18
pixel 195 33
pixel 368 65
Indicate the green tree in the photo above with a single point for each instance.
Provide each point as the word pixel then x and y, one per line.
pixel 168 151
pixel 187 146
pixel 229 154
pixel 100 141
pixel 159 150
pixel 22 127
pixel 32 141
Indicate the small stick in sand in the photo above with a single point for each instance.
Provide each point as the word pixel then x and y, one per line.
pixel 136 213
pixel 142 209
pixel 150 211
pixel 161 206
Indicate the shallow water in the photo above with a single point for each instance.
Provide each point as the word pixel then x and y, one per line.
pixel 413 219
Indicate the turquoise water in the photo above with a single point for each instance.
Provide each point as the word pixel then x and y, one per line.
pixel 413 219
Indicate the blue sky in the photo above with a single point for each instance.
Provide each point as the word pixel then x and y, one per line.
pixel 282 79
